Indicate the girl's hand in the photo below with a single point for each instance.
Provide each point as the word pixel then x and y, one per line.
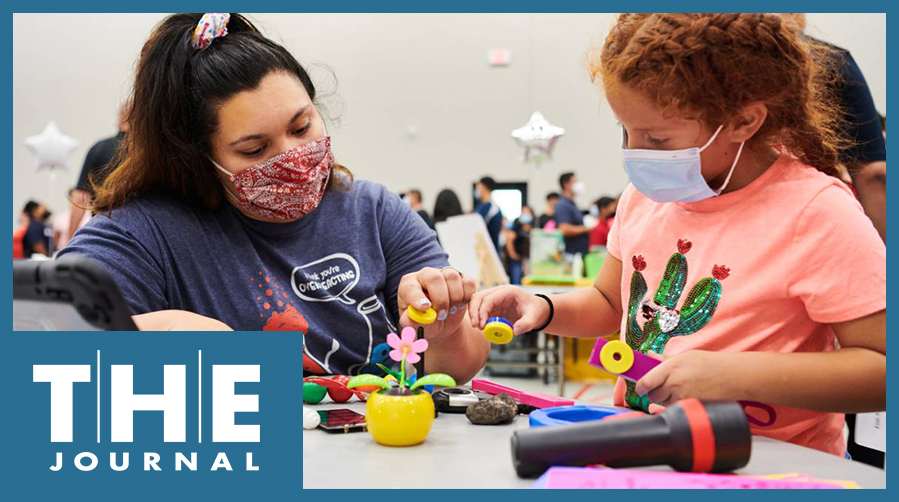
pixel 619 392
pixel 445 290
pixel 524 310
pixel 177 320
pixel 696 373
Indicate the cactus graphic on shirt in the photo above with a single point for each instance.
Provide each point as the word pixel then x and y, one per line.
pixel 663 320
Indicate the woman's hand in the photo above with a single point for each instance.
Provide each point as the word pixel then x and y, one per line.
pixel 445 290
pixel 177 320
pixel 696 373
pixel 524 310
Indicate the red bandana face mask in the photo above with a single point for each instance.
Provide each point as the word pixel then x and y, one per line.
pixel 287 186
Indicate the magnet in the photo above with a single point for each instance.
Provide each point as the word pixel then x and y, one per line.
pixel 498 331
pixel 417 316
pixel 620 359
pixel 617 357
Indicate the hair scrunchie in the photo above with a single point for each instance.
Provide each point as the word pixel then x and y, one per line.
pixel 210 27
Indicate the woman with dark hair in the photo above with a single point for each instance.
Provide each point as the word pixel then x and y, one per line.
pixel 447 205
pixel 225 209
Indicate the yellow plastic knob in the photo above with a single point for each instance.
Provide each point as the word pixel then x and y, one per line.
pixel 498 331
pixel 616 357
pixel 426 317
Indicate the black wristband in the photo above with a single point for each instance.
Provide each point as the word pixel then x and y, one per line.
pixel 552 312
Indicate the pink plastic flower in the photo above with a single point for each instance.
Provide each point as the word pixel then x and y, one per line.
pixel 406 346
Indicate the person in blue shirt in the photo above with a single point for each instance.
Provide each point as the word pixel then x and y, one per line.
pixel 36 239
pixel 488 209
pixel 865 155
pixel 226 210
pixel 518 244
pixel 570 219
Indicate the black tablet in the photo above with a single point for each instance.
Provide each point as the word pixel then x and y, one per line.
pixel 73 293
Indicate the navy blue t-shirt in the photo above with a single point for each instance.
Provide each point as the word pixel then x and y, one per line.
pixel 567 212
pixel 36 233
pixel 862 123
pixel 332 274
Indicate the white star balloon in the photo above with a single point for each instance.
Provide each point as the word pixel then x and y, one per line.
pixel 51 148
pixel 537 138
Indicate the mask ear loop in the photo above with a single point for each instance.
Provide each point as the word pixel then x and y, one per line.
pixel 732 167
pixel 230 175
pixel 712 139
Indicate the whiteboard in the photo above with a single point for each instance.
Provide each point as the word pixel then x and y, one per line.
pixel 467 242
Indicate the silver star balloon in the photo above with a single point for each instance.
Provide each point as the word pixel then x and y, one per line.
pixel 537 138
pixel 51 148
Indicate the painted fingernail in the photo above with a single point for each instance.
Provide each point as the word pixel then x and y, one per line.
pixel 424 302
pixel 441 316
pixel 453 311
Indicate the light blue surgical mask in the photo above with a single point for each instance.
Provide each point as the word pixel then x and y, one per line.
pixel 671 175
pixel 526 219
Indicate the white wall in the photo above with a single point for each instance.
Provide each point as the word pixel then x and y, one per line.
pixel 394 72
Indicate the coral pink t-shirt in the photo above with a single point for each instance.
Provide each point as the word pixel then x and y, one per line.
pixel 792 252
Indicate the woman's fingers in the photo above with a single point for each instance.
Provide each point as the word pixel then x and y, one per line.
pixel 469 288
pixel 411 292
pixel 455 288
pixel 434 284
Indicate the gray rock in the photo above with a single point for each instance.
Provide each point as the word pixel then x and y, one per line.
pixel 497 410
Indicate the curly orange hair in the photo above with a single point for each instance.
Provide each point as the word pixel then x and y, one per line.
pixel 709 66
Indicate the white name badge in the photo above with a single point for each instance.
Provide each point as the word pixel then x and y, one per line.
pixel 871 430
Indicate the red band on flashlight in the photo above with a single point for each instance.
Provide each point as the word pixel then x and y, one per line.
pixel 702 434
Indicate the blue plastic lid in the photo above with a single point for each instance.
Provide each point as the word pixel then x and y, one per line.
pixel 499 319
pixel 566 415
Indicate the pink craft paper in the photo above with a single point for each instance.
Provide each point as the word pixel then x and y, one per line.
pixel 588 478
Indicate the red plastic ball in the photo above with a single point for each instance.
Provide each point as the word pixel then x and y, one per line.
pixel 340 394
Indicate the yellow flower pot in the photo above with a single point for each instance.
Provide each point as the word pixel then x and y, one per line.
pixel 400 418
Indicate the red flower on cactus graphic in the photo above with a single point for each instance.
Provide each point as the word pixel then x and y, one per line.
pixel 639 263
pixel 720 272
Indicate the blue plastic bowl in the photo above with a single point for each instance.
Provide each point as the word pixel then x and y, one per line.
pixel 567 415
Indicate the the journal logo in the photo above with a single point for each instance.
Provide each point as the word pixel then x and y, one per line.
pixel 59 382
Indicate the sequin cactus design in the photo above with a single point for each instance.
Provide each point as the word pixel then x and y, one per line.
pixel 663 320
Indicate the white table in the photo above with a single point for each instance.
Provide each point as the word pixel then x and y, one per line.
pixel 460 455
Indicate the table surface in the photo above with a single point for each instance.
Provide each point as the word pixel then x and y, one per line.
pixel 460 455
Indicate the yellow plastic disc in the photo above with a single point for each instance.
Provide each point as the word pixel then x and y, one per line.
pixel 616 357
pixel 499 333
pixel 426 317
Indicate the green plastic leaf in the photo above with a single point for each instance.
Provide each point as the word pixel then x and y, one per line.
pixel 392 373
pixel 364 380
pixel 438 379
